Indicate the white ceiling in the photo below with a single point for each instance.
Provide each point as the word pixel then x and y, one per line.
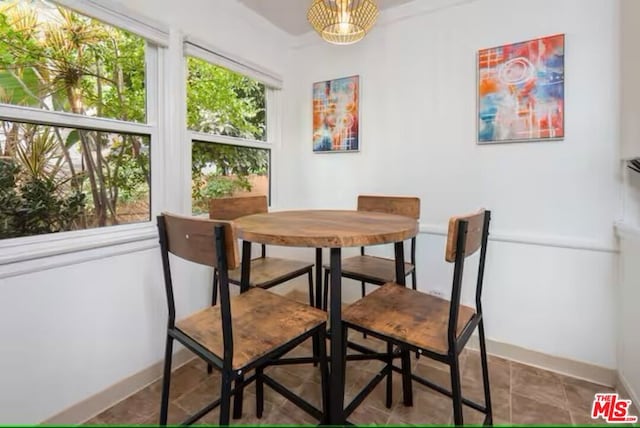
pixel 291 15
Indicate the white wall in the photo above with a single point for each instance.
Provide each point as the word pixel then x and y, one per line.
pixel 629 316
pixel 418 137
pixel 226 24
pixel 629 293
pixel 73 331
pixel 630 31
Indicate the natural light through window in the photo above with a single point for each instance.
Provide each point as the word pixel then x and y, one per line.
pixel 222 103
pixel 66 172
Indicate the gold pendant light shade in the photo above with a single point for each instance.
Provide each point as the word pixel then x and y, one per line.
pixel 342 22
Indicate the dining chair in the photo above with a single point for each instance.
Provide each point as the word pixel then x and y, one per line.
pixel 266 272
pixel 431 326
pixel 375 270
pixel 240 334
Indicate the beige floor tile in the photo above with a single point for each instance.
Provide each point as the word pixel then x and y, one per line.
pixel 133 410
pixel 581 416
pixel 525 410
pixel 301 372
pixel 471 416
pixel 175 416
pixel 204 393
pixel 580 393
pixel 368 415
pixel 433 374
pixel 473 389
pixel 212 418
pixel 357 379
pixel 94 421
pixel 183 380
pixel 312 393
pixel 285 376
pixel 537 384
pixel 249 414
pixel 288 416
pixel 293 412
pixel 499 370
pixel 428 408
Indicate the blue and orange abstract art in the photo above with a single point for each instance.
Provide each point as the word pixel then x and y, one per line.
pixel 521 91
pixel 336 115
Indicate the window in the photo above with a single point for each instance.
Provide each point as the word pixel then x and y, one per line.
pixel 75 142
pixel 220 170
pixel 222 102
pixel 227 120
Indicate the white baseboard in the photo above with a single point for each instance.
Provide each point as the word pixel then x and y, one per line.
pixel 578 369
pixel 96 404
pixel 624 388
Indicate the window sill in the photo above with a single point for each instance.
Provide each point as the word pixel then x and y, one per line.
pixel 30 254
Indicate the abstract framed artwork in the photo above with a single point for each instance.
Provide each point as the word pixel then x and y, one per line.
pixel 520 91
pixel 336 115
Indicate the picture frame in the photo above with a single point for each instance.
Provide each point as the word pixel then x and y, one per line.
pixel 520 91
pixel 336 115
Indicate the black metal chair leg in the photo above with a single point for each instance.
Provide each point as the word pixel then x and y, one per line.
pixel 324 372
pixel 312 304
pixel 414 281
pixel 166 381
pixel 259 393
pixel 214 301
pixel 485 373
pixel 239 396
pixel 225 398
pixel 389 376
pixel 325 295
pixel 311 292
pixel 456 391
pixel 363 286
pixel 214 292
pixel 407 390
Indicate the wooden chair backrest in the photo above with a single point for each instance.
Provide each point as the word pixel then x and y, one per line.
pixel 475 229
pixel 193 239
pixel 407 206
pixel 236 207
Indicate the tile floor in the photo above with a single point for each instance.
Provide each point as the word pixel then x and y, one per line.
pixel 521 395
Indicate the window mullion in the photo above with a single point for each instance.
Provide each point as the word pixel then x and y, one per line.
pixel 70 120
pixel 231 141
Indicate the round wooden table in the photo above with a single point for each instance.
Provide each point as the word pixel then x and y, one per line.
pixel 328 229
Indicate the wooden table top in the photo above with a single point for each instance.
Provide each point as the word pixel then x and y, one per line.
pixel 325 228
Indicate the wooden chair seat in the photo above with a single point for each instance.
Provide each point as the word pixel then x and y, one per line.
pixel 406 315
pixel 269 271
pixel 372 269
pixel 262 322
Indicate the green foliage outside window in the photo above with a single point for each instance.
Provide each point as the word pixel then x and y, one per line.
pixel 224 103
pixel 57 179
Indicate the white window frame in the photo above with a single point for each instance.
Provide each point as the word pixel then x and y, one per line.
pixel 273 86
pixel 14 251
